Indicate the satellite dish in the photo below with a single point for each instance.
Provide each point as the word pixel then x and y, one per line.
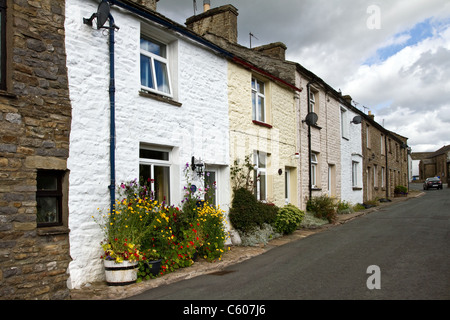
pixel 311 119
pixel 102 14
pixel 357 120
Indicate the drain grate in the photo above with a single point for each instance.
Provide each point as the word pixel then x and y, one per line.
pixel 221 273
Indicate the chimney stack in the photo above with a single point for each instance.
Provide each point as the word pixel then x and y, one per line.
pixel 221 21
pixel 148 4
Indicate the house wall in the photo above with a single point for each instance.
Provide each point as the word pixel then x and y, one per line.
pixel 325 142
pixel 351 151
pixel 280 141
pixel 196 125
pixel 373 142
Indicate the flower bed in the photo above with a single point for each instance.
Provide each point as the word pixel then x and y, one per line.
pixel 141 229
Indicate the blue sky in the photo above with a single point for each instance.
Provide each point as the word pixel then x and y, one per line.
pixel 399 41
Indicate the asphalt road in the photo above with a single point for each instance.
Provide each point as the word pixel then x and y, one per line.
pixel 408 241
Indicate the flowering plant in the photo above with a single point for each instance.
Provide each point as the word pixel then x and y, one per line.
pixel 120 252
pixel 127 225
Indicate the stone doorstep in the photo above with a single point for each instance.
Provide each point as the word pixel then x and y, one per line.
pixel 101 291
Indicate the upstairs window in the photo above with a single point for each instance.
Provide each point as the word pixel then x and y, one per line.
pixel 155 75
pixel 2 44
pixel 312 101
pixel 258 101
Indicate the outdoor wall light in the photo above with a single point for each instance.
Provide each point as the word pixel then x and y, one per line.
pixel 197 165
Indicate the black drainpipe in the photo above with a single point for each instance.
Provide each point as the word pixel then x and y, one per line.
pixel 112 97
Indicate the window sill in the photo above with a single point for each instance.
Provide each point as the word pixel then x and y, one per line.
pixel 52 231
pixel 158 97
pixel 262 124
pixel 357 188
pixel 7 94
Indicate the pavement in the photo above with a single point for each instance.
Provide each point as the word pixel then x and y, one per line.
pixel 235 255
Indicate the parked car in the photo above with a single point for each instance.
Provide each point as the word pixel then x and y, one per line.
pixel 432 183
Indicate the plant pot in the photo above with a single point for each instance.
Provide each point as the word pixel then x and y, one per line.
pixel 120 274
pixel 154 266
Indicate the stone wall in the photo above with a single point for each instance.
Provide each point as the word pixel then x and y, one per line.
pixel 35 117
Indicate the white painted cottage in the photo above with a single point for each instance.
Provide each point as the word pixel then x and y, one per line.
pixel 351 153
pixel 170 100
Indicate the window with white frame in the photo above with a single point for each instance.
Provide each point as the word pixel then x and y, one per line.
pixel 314 171
pixel 344 123
pixel 312 101
pixel 258 100
pixel 382 145
pixel 260 165
pixel 355 170
pixel 154 170
pixel 382 177
pixel 155 75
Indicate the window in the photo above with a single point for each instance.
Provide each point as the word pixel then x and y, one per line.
pixel 368 136
pixel 312 101
pixel 355 169
pixel 382 177
pixel 375 176
pixel 49 198
pixel 155 75
pixel 2 44
pixel 287 186
pixel 344 123
pixel 258 101
pixel 211 185
pixel 382 144
pixel 260 163
pixel 154 169
pixel 314 164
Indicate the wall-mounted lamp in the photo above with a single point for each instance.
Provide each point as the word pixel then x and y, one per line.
pixel 197 165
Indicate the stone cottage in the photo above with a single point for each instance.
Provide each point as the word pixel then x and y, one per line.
pixel 385 160
pixel 170 102
pixel 35 120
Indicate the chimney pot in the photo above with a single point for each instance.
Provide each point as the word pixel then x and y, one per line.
pixel 206 5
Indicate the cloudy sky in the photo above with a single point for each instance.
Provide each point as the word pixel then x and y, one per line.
pixel 391 56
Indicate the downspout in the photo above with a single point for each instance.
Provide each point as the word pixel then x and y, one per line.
pixel 387 169
pixel 112 97
pixel 308 89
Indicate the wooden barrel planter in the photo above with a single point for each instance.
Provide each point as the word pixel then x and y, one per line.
pixel 120 274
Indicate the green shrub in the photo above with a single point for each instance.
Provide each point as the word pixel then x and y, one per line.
pixel 401 190
pixel 244 210
pixel 344 207
pixel 288 219
pixel 247 213
pixel 323 207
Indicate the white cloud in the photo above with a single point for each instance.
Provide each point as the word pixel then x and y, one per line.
pixel 408 87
